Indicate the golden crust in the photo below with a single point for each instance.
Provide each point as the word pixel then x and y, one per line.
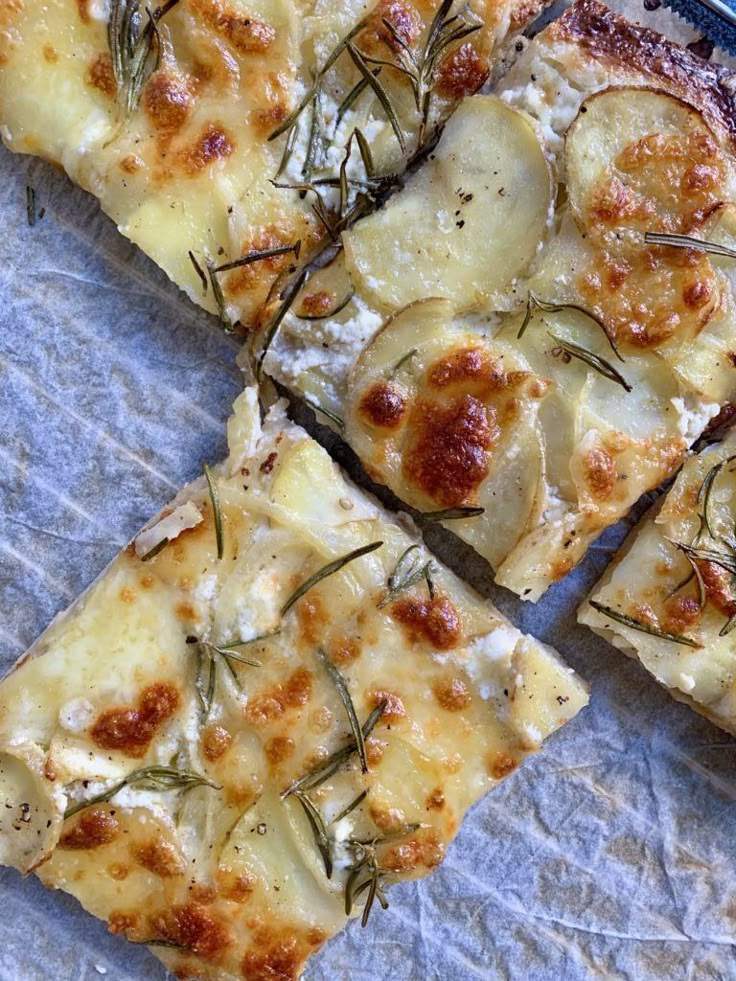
pixel 631 50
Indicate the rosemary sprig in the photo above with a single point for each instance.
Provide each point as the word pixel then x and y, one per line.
pixel 216 510
pixel 328 570
pixel 342 690
pixel 721 559
pixel 327 768
pixel 594 361
pixel 332 313
pixel 31 205
pixel 645 628
pixel 291 121
pixel 332 416
pixel 349 808
pixel 407 573
pixel 696 574
pixel 131 47
pixel 379 91
pixel 704 495
pixel 287 299
pixel 688 242
pixel 319 829
pixel 149 778
pixel 452 514
pixel 533 303
pixel 219 296
pixel 404 359
pixel 366 153
pixel 153 552
pixel 259 256
pixel 199 271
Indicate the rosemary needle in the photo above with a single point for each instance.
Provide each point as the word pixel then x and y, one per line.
pixel 646 628
pixel 216 510
pixel 342 690
pixel 328 570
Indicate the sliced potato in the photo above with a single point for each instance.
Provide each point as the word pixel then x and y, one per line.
pixel 467 222
pixel 631 157
pixel 448 418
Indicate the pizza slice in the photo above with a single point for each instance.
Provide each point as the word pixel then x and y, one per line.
pixel 198 123
pixel 669 599
pixel 271 706
pixel 533 331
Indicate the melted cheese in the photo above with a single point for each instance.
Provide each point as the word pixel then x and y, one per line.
pixel 190 169
pixel 555 448
pixel 230 874
pixel 643 584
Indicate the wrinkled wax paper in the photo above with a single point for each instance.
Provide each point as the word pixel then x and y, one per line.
pixel 612 854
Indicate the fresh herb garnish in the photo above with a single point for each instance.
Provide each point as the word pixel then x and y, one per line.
pixel 199 271
pixel 533 303
pixel 349 808
pixel 219 296
pixel 421 68
pixel 259 256
pixel 721 559
pixel 153 552
pixel 328 570
pixel 452 514
pixel 287 299
pixel 342 690
pixel 131 47
pixel 319 829
pixel 207 660
pixel 404 359
pixel 324 770
pixel 646 628
pixel 704 496
pixel 149 778
pixel 331 313
pixel 216 510
pixel 594 361
pixel 408 572
pixel 688 242
pixel 366 875
pixel 380 93
pixel 332 416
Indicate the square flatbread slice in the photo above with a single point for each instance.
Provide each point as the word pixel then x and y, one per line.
pixel 226 757
pixel 513 349
pixel 179 130
pixel 669 598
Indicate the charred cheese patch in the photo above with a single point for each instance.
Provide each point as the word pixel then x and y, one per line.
pixel 676 622
pixel 175 750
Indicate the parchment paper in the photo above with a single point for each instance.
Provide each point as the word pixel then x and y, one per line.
pixel 612 854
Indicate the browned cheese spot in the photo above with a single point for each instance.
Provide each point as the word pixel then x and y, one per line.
pixel 216 740
pixel 94 827
pixel 500 765
pixel 246 34
pixel 462 72
pixel 272 703
pixel 720 587
pixel 193 926
pixel 601 473
pixel 278 749
pixel 238 886
pixel 402 16
pixel 452 694
pixel 383 405
pixel 212 145
pixel 448 454
pixel 278 952
pixel 167 101
pixel 130 730
pixel 100 75
pixel 423 850
pixel 436 800
pixel 317 304
pixel 160 857
pixel 432 621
